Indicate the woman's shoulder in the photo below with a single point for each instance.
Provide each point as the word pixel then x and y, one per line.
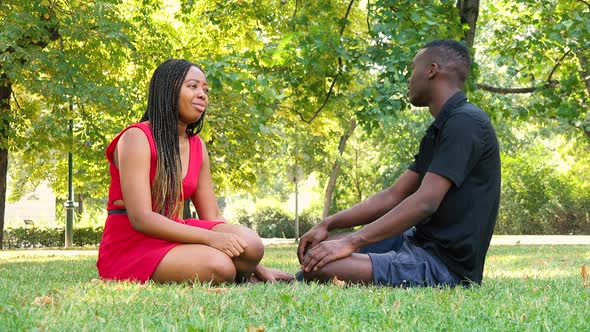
pixel 135 136
pixel 136 131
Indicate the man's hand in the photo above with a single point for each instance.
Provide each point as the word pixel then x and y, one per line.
pixel 263 273
pixel 325 253
pixel 310 239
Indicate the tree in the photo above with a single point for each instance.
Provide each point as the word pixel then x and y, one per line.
pixel 13 41
pixel 535 53
pixel 77 52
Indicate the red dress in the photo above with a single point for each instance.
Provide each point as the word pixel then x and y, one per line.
pixel 124 253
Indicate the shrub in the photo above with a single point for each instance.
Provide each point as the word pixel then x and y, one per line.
pixel 242 217
pixel 307 220
pixel 15 238
pixel 537 199
pixel 274 221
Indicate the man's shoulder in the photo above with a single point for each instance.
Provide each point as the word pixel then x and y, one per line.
pixel 469 113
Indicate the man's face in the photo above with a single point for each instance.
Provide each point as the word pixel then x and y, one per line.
pixel 419 83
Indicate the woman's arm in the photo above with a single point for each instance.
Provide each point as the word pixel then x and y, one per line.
pixel 204 198
pixel 133 157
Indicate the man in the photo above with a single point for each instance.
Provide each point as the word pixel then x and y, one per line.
pixel 434 225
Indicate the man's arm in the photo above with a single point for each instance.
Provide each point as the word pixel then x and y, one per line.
pixel 418 206
pixel 375 206
pixel 362 213
pixel 407 214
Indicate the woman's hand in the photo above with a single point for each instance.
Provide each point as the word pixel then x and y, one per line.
pixel 228 243
pixel 310 239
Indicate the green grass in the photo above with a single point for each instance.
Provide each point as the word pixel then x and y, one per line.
pixel 525 288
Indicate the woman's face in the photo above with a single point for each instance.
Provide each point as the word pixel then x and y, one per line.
pixel 193 98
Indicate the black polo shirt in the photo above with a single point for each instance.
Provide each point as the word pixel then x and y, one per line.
pixel 461 145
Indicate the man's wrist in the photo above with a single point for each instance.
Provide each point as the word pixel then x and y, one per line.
pixel 326 223
pixel 356 240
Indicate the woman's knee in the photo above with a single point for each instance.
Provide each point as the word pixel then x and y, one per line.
pixel 222 268
pixel 255 249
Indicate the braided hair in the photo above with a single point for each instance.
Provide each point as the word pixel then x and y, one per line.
pixel 162 113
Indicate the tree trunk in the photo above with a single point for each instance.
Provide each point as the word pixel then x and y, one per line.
pixel 335 168
pixel 80 204
pixel 5 89
pixel 584 72
pixel 586 77
pixel 468 12
pixel 186 210
pixel 357 177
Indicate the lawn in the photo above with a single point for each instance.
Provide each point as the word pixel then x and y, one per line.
pixel 525 288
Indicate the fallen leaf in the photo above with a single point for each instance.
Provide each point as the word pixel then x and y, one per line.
pixel 95 281
pixel 337 282
pixel 585 275
pixel 216 290
pixel 42 300
pixel 255 328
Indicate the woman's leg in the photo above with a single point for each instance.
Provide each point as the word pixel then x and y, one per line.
pixel 195 262
pixel 246 263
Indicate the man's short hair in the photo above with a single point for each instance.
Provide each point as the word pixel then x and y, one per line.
pixel 450 54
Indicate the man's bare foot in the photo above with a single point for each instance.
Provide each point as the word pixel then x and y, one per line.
pixel 263 273
pixel 253 279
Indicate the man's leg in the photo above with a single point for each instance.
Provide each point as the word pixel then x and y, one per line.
pixel 356 269
pixel 392 243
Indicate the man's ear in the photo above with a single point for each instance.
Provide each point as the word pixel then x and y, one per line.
pixel 433 70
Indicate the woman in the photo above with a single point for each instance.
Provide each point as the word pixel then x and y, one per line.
pixel 155 165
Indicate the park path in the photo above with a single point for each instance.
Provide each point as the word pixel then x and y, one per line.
pixel 497 240
pixel 540 239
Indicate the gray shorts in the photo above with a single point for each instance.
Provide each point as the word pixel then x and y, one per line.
pixel 400 263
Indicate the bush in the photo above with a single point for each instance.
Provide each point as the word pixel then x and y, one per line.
pixel 274 221
pixel 16 238
pixel 242 217
pixel 537 199
pixel 307 220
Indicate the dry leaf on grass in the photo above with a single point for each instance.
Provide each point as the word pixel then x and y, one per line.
pixel 338 282
pixel 585 275
pixel 42 300
pixel 255 328
pixel 216 290
pixel 96 281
